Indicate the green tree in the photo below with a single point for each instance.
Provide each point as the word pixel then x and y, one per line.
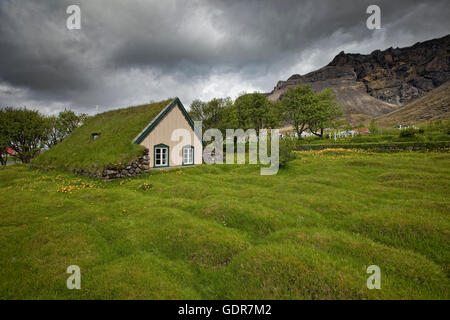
pixel 53 134
pixel 297 107
pixel 3 140
pixel 254 111
pixel 69 121
pixel 3 156
pixel 24 131
pixel 325 110
pixel 306 109
pixel 59 127
pixel 197 110
pixel 3 143
pixel 213 114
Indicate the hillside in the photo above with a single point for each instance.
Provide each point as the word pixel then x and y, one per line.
pixel 435 105
pixel 358 105
pixel 378 83
pixel 114 145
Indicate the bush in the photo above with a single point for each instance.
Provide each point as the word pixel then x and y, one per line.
pixel 408 132
pixel 287 146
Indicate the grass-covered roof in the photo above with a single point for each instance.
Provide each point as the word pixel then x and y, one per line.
pixel 116 129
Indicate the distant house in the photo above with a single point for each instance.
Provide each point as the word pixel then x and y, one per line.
pixel 361 131
pixel 157 138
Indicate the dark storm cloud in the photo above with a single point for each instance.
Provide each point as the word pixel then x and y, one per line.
pixel 133 51
pixel 35 51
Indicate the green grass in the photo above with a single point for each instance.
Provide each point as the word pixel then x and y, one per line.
pixel 225 232
pixel 384 138
pixel 436 131
pixel 117 129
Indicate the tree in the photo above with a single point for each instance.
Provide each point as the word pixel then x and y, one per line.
pixel 53 134
pixel 3 156
pixel 197 110
pixel 24 131
pixel 254 111
pixel 325 111
pixel 298 104
pixel 213 114
pixel 307 109
pixel 69 121
pixel 3 145
pixel 59 127
pixel 3 141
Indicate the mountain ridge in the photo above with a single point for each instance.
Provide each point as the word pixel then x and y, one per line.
pixel 371 85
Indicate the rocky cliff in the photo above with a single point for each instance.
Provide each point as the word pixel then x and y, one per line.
pixel 435 105
pixel 378 83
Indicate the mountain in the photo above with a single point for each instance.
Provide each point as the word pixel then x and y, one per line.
pixel 435 105
pixel 371 85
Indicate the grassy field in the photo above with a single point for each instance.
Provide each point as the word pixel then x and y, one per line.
pixel 433 131
pixel 225 232
pixel 378 138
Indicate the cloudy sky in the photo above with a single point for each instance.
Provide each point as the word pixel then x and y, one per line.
pixel 135 51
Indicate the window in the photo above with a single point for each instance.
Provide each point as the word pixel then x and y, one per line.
pixel 188 155
pixel 161 155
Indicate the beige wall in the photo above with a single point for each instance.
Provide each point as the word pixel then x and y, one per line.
pixel 162 133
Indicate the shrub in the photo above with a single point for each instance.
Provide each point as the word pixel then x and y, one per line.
pixel 408 132
pixel 287 146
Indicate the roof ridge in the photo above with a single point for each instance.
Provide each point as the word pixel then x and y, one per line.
pixel 155 121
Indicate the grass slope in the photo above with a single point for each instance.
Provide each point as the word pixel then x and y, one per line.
pixel 117 129
pixel 435 105
pixel 224 231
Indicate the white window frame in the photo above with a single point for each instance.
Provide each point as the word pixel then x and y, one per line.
pixel 188 155
pixel 163 161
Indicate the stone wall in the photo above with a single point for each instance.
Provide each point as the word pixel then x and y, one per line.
pixel 131 169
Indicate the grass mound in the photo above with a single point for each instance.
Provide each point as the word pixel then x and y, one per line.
pixel 196 240
pixel 117 129
pixel 151 276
